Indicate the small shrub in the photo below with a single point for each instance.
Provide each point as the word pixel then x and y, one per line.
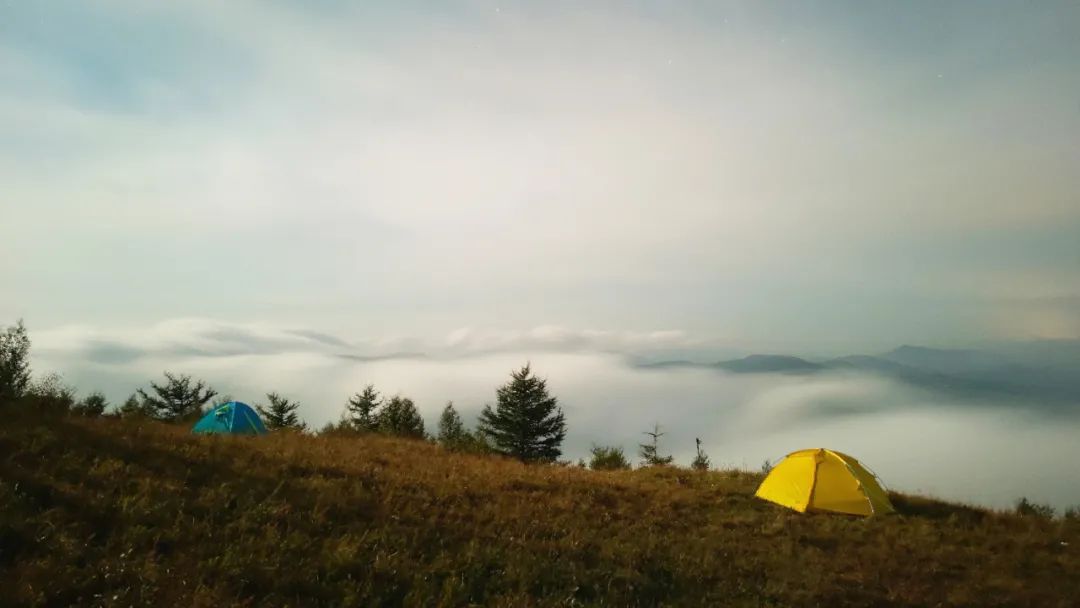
pixel 701 460
pixel 14 362
pixel 650 452
pixel 133 407
pixel 766 466
pixel 1072 513
pixel 92 406
pixel 1026 508
pixel 608 458
pixel 50 394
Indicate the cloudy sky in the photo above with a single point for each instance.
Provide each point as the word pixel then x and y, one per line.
pixel 808 177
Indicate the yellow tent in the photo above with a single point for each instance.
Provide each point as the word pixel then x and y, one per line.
pixel 824 480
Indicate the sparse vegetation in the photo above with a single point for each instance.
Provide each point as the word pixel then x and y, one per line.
pixel 650 452
pixel 92 405
pixel 116 512
pixel 14 363
pixel 1026 508
pixel 608 458
pixel 701 459
pixel 50 394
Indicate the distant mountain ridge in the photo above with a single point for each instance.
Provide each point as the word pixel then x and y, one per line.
pixel 1047 372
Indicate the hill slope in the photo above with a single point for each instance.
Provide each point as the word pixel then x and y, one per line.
pixel 104 512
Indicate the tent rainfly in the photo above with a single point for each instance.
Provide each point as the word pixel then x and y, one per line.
pixel 232 418
pixel 824 480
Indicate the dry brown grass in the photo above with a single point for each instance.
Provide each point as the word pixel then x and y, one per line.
pixel 103 512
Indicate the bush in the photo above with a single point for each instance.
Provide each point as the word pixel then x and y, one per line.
pixel 1072 513
pixel 608 458
pixel 92 406
pixel 14 363
pixel 701 460
pixel 50 394
pixel 1026 508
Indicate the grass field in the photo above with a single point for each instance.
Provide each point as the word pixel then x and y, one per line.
pixel 109 512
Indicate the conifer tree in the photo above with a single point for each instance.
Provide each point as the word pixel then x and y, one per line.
pixel 526 422
pixel 14 363
pixel 362 409
pixel 178 398
pixel 399 416
pixel 701 461
pixel 281 413
pixel 650 452
pixel 451 430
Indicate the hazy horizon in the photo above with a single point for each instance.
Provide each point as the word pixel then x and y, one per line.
pixel 983 450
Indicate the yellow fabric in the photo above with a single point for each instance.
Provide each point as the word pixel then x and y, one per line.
pixel 824 480
pixel 791 481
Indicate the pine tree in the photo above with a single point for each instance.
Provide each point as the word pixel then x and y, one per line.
pixel 701 461
pixel 14 363
pixel 649 452
pixel 399 416
pixel 177 398
pixel 451 430
pixel 281 413
pixel 362 409
pixel 526 422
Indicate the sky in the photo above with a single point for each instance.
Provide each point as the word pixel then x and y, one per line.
pixel 779 176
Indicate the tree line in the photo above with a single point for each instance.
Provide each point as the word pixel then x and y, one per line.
pixel 525 422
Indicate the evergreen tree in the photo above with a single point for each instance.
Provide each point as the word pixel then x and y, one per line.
pixel 92 406
pixel 14 363
pixel 178 398
pixel 281 413
pixel 451 430
pixel 399 416
pixel 361 411
pixel 701 461
pixel 649 452
pixel 526 422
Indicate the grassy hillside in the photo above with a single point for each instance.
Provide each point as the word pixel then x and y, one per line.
pixel 106 512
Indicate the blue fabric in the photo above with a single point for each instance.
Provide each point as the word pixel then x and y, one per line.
pixel 232 418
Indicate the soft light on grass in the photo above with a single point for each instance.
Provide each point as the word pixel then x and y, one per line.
pixel 105 512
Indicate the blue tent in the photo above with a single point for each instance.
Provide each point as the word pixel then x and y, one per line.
pixel 231 418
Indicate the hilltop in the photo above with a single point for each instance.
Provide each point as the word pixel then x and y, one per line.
pixel 114 512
